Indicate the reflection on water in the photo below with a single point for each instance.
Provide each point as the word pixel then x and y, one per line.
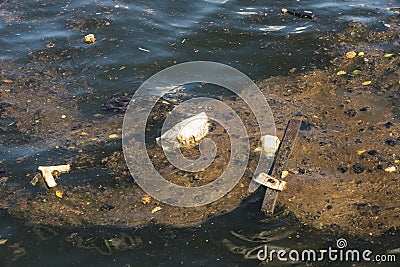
pixel 107 246
pixel 261 239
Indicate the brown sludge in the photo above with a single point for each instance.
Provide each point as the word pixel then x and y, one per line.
pixel 336 171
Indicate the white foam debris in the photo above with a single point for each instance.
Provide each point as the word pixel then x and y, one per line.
pixel 391 169
pixel 48 173
pixel 186 133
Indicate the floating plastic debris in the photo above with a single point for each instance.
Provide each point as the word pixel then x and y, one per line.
pixel 49 173
pixel 270 182
pixel 35 179
pixel 143 49
pixel 89 39
pixel 186 133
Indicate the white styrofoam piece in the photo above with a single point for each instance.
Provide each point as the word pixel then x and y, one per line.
pixel 186 133
pixel 47 173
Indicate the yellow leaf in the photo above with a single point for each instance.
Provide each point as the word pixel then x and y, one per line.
pixel 362 151
pixel 341 72
pixel 351 54
pixel 360 54
pixel 156 209
pixel 59 194
pixel 113 136
pixel 367 83
pixel 146 199
pixel 388 55
pixel 356 71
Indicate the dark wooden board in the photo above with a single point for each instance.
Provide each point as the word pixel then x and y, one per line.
pixel 283 154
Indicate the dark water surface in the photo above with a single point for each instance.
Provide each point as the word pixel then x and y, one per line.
pixel 136 39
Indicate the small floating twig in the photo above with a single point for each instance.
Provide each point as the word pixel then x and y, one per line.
pixel 301 14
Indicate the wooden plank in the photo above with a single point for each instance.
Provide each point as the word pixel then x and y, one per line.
pixel 283 154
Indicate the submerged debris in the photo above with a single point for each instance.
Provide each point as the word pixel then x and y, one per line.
pixel 117 104
pixel 36 179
